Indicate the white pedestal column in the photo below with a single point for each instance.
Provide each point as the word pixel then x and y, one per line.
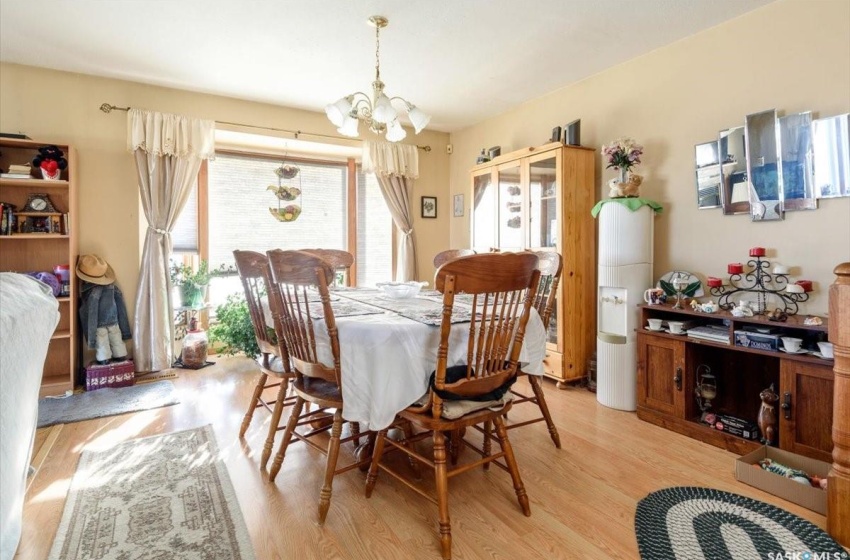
pixel 625 272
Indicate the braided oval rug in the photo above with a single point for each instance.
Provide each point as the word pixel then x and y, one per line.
pixel 689 523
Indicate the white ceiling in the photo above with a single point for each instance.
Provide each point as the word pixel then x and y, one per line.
pixel 460 61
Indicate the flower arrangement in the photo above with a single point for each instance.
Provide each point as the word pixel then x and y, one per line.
pixel 622 154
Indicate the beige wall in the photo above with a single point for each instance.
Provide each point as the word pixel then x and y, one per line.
pixel 792 55
pixel 61 107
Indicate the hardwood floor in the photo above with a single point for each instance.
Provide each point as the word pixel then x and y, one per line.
pixel 583 497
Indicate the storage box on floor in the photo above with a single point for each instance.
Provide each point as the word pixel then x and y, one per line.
pixel 116 374
pixel 748 471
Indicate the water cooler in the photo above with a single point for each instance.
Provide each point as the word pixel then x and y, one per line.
pixel 625 272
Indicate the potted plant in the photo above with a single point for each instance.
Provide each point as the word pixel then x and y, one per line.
pixel 233 328
pixel 191 284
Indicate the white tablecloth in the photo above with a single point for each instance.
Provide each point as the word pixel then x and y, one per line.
pixel 386 361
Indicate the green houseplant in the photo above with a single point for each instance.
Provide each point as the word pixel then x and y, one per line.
pixel 233 328
pixel 192 284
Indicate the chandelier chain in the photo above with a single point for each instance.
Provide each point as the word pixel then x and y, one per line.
pixel 377 52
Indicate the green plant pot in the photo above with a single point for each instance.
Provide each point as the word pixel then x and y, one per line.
pixel 193 296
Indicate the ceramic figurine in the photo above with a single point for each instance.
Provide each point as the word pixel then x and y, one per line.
pixel 694 305
pixel 767 415
pixel 813 321
pixel 777 315
pixel 742 310
pixel 709 307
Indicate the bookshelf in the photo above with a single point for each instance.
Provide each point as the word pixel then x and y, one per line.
pixel 41 252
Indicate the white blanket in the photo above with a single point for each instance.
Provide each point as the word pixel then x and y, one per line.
pixel 28 316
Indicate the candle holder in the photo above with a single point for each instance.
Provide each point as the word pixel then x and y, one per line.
pixel 680 285
pixel 764 285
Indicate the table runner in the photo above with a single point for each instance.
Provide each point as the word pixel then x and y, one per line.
pixel 427 310
pixel 342 309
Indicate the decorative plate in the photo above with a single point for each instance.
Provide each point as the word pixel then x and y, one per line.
pixel 694 289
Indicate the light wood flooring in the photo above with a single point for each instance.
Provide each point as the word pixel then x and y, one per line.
pixel 583 497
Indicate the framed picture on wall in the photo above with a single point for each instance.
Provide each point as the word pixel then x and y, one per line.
pixel 458 206
pixel 429 206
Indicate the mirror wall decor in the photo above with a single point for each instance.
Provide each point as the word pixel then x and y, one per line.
pixel 773 165
pixel 763 167
pixel 708 175
pixel 831 146
pixel 796 157
pixel 735 194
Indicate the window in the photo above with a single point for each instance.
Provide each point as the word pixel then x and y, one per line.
pixel 237 214
pixel 184 236
pixel 374 232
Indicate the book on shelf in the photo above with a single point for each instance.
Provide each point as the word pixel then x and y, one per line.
pixel 7 218
pixel 66 222
pixel 15 176
pixel 712 333
pixel 17 168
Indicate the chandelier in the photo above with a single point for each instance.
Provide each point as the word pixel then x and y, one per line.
pixel 377 112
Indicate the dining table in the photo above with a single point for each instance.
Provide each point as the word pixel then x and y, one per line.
pixel 388 348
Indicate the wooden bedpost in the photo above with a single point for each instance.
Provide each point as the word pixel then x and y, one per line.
pixel 838 491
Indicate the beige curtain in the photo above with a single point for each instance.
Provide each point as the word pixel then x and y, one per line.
pixel 168 150
pixel 396 166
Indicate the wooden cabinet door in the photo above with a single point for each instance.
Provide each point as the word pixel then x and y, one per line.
pixel 661 374
pixel 805 426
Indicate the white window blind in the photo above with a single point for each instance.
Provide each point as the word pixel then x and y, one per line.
pixel 239 205
pixel 239 215
pixel 374 232
pixel 184 235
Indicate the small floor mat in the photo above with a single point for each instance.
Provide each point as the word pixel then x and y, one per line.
pixel 687 523
pixel 105 402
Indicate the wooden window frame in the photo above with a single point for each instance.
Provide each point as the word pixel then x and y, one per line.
pixel 351 208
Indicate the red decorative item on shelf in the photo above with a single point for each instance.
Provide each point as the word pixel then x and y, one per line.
pixel 713 282
pixel 806 284
pixel 735 268
pixel 757 252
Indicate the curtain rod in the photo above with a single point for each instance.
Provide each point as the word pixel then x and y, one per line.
pixel 107 108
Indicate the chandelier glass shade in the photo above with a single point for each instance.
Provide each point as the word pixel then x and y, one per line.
pixel 377 111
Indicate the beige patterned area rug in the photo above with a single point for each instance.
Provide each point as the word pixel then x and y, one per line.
pixel 165 497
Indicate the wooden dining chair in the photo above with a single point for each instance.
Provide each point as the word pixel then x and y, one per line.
pixel 550 265
pixel 273 360
pixel 502 288
pixel 296 277
pixel 341 262
pixel 443 257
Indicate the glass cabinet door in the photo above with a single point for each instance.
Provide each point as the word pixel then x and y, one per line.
pixel 511 227
pixel 543 208
pixel 483 206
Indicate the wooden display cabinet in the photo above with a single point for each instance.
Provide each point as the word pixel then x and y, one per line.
pixel 667 380
pixel 42 251
pixel 540 199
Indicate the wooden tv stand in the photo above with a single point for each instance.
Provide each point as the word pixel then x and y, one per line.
pixel 667 380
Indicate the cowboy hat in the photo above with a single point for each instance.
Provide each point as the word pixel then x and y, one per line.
pixel 94 269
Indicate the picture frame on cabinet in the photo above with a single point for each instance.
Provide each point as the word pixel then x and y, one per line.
pixel 429 206
pixel 458 206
